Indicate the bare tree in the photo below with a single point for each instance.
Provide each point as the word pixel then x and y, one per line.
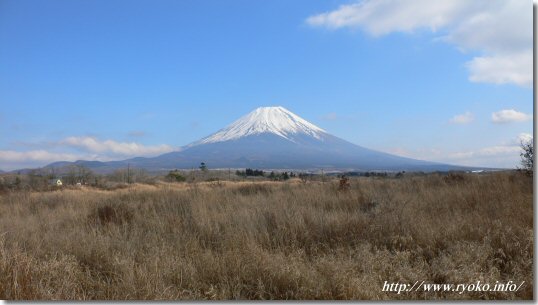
pixel 71 176
pixel 84 174
pixel 527 156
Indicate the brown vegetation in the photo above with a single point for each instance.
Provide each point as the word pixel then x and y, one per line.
pixel 269 240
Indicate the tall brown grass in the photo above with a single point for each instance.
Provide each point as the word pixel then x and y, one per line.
pixel 269 240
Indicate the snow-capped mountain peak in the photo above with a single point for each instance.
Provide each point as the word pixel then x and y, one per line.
pixel 276 120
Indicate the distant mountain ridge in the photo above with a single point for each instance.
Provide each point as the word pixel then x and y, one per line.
pixel 272 138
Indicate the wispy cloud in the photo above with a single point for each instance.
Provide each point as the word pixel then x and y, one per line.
pixel 486 152
pixel 77 148
pixel 464 118
pixel 331 116
pixel 11 159
pixel 35 155
pixel 136 134
pixel 500 29
pixel 495 156
pixel 118 148
pixel 429 154
pixel 503 155
pixel 509 116
pixel 148 115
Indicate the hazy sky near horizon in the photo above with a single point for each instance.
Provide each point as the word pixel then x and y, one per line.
pixel 447 81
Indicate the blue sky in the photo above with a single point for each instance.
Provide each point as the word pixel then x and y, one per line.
pixel 107 80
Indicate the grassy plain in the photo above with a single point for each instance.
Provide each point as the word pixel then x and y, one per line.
pixel 269 240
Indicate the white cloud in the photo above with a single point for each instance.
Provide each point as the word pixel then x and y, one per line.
pixel 508 116
pixel 513 68
pixel 464 118
pixel 381 17
pixel 486 151
pixel 34 155
pixel 118 148
pixel 504 155
pixel 10 159
pixel 524 138
pixel 77 148
pixel 501 156
pixel 500 29
pixel 494 26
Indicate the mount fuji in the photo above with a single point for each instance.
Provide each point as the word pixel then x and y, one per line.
pixel 273 138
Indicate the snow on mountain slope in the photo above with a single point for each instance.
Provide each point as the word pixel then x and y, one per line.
pixel 275 120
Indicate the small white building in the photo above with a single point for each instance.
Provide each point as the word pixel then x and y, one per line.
pixel 56 182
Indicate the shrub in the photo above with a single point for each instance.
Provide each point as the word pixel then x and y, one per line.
pixel 253 189
pixel 118 214
pixel 343 184
pixel 454 178
pixel 175 176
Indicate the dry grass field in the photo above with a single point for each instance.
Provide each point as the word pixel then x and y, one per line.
pixel 269 240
